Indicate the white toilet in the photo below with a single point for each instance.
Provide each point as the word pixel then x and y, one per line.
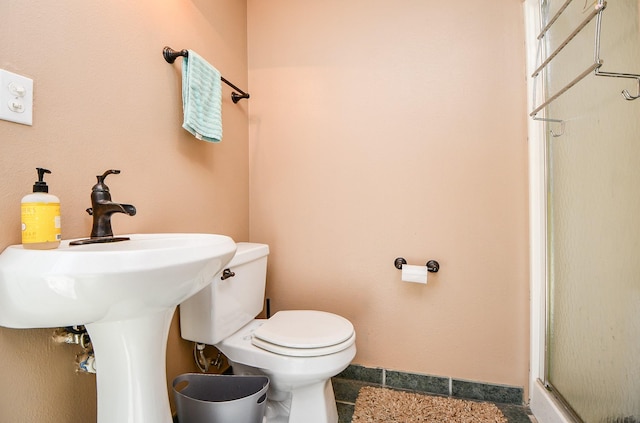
pixel 299 350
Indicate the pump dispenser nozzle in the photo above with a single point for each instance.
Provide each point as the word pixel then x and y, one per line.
pixel 40 185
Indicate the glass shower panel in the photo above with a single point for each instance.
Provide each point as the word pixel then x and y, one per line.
pixel 593 351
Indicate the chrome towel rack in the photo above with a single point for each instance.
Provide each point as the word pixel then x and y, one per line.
pixel 597 13
pixel 170 55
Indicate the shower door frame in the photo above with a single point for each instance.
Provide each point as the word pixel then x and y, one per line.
pixel 544 405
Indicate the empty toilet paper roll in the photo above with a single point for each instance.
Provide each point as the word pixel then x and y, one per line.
pixel 416 274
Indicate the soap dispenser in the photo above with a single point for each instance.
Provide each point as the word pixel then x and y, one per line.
pixel 41 229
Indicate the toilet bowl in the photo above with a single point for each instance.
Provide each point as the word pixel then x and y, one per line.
pixel 299 350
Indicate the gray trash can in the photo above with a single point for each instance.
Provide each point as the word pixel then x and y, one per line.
pixel 209 398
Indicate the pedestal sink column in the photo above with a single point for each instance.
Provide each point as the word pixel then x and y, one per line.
pixel 125 294
pixel 131 368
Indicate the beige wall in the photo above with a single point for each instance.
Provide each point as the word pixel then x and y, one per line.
pixel 382 129
pixel 105 98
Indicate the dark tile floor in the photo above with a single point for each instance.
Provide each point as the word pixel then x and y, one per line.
pixel 347 384
pixel 346 392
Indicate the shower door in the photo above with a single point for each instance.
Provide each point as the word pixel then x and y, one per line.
pixel 593 334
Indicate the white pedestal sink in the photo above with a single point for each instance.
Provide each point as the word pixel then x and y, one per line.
pixel 125 293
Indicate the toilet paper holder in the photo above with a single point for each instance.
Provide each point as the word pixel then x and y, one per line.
pixel 432 265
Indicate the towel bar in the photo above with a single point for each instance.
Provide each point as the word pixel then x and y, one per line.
pixel 596 13
pixel 170 55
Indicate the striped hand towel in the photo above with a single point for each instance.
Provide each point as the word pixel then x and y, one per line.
pixel 201 98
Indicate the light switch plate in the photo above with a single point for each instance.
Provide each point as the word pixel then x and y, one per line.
pixel 16 98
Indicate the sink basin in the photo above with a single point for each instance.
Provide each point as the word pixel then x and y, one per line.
pixel 125 293
pixel 78 285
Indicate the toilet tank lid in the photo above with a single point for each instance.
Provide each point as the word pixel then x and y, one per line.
pixel 248 251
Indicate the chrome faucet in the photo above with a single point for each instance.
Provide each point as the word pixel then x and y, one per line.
pixel 102 207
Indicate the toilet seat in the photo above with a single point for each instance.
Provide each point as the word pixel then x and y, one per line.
pixel 304 333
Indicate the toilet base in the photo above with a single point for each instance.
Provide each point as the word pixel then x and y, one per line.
pixel 307 408
pixel 313 403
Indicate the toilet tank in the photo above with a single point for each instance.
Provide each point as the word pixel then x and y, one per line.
pixel 224 306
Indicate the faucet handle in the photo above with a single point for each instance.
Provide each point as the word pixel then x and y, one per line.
pixel 106 173
pixel 101 189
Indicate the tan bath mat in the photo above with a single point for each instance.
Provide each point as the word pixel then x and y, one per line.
pixel 380 405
